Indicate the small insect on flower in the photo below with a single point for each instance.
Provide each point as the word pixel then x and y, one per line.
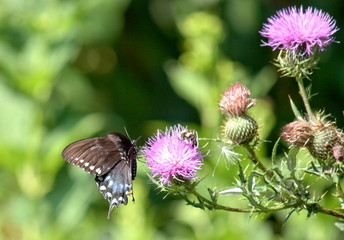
pixel 189 136
pixel 173 155
pixel 303 32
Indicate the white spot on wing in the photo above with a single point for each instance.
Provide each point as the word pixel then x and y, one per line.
pixel 110 183
pixel 108 195
pixel 114 201
pixel 99 170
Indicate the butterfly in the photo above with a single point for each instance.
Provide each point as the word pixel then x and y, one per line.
pixel 112 159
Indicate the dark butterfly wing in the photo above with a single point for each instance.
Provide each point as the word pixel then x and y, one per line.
pixel 116 186
pixel 112 159
pixel 96 155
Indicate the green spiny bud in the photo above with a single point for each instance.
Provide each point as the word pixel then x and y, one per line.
pixel 292 64
pixel 324 139
pixel 240 129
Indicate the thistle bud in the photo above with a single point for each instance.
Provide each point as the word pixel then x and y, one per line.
pixel 236 100
pixel 292 64
pixel 298 133
pixel 240 129
pixel 325 137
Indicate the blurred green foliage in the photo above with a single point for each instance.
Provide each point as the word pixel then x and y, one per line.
pixel 72 69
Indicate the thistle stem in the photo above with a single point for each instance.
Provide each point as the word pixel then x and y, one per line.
pixel 217 206
pixel 254 158
pixel 213 205
pixel 303 94
pixel 340 191
pixel 328 211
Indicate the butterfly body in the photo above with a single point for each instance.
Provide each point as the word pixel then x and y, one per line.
pixel 112 160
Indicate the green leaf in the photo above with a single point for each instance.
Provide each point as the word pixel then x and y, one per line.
pixel 295 110
pixel 292 158
pixel 213 195
pixel 250 182
pixel 274 151
pixel 285 171
pixel 335 178
pixel 241 173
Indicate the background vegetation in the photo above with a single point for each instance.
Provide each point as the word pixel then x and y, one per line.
pixel 81 68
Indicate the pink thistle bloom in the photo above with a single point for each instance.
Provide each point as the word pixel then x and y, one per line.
pixel 236 100
pixel 299 31
pixel 172 157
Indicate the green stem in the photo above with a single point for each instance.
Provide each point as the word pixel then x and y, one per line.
pixel 328 211
pixel 305 98
pixel 214 205
pixel 340 191
pixel 254 158
pixel 217 206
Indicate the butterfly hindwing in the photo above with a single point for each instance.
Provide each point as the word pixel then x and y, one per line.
pixel 116 186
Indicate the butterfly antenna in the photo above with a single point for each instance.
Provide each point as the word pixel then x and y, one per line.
pixel 137 139
pixel 127 133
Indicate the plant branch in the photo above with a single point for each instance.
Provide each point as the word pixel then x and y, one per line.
pixel 317 207
pixel 305 98
pixel 217 206
pixel 328 211
pixel 254 158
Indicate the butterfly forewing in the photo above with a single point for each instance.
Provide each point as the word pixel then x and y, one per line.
pixel 95 155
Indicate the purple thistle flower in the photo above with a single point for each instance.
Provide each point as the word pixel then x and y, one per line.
pixel 170 157
pixel 299 31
